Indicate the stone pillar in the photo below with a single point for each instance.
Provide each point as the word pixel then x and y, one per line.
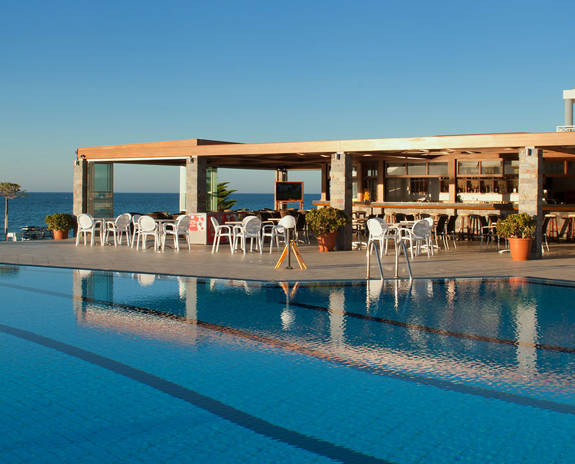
pixel 531 190
pixel 80 188
pixel 341 193
pixel 196 190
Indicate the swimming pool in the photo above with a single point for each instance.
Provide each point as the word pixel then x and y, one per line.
pixel 118 367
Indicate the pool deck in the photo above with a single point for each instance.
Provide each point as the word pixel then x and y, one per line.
pixel 469 259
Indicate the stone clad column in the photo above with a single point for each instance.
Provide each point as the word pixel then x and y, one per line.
pixel 340 192
pixel 531 190
pixel 80 189
pixel 196 190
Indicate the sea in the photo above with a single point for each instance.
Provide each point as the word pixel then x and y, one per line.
pixel 35 206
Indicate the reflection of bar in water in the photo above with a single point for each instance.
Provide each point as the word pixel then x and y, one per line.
pixel 337 317
pixel 89 287
pixel 526 335
pixel 150 326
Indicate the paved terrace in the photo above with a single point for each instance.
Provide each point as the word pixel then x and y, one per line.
pixel 468 260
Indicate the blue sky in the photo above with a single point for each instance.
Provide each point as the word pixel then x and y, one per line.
pixel 87 73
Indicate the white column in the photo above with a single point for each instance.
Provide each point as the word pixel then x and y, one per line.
pixel 568 112
pixel 183 188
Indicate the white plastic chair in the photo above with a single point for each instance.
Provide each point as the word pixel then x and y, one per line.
pixel 135 228
pixel 119 227
pixel 219 232
pixel 279 230
pixel 380 232
pixel 87 225
pixel 181 227
pixel 148 226
pixel 419 234
pixel 251 229
pixel 430 235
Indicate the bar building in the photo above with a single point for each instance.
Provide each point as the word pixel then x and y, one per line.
pixel 479 173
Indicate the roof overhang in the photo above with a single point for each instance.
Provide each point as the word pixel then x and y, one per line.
pixel 314 154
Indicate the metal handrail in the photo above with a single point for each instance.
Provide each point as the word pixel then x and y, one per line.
pixel 398 243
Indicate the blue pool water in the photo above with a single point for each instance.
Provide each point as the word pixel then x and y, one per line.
pixel 117 367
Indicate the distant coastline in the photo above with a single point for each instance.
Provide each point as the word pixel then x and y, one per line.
pixel 35 206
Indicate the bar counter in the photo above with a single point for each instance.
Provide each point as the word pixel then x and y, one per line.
pixel 425 205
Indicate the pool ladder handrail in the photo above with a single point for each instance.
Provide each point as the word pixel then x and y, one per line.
pixel 401 243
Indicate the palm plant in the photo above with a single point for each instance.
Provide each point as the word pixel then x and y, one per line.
pixel 9 191
pixel 223 194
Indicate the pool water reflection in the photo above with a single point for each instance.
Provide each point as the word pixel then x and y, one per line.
pixel 432 370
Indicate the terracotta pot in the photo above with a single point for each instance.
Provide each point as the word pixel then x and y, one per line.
pixel 60 234
pixel 520 248
pixel 326 242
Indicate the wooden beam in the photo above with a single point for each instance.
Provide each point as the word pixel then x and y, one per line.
pixel 457 142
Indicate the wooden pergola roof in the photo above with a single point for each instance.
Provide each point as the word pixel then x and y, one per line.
pixel 314 154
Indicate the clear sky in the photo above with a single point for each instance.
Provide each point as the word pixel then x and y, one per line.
pixel 81 73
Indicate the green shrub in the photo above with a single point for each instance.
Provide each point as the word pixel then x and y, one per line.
pixel 325 220
pixel 60 221
pixel 519 225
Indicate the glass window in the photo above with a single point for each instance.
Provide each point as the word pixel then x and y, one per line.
pixel 491 167
pixel 101 192
pixel 553 167
pixel 438 169
pixel 419 186
pixel 396 169
pixel 511 167
pixel 416 169
pixel 468 168
pixel 371 170
pixel 396 189
pixel 444 186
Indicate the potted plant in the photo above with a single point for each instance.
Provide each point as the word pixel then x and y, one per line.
pixel 60 224
pixel 324 224
pixel 519 229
